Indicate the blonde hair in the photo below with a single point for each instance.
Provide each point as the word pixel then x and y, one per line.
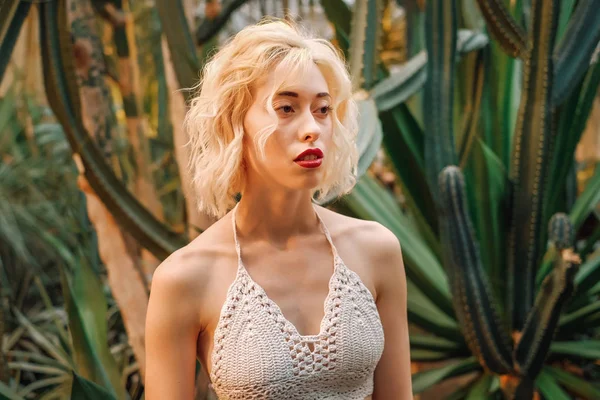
pixel 215 119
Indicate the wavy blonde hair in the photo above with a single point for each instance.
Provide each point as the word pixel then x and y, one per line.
pixel 214 122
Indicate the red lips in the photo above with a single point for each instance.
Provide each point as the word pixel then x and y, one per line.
pixel 316 151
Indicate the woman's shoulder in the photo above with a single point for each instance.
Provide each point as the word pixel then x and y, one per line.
pixel 200 254
pixel 370 243
pixel 352 229
pixel 199 268
pixel 182 277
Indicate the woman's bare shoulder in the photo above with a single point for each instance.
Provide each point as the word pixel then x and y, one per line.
pixel 365 244
pixel 194 263
pixel 347 227
pixel 190 271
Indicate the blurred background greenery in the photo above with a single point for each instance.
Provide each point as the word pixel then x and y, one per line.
pixel 479 141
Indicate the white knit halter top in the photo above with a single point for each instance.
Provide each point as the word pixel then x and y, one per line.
pixel 259 354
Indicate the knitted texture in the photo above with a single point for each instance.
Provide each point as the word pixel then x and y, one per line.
pixel 259 354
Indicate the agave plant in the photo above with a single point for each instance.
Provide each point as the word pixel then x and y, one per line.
pixel 494 277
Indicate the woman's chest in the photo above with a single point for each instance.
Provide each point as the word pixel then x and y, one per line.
pixel 299 290
pixel 257 349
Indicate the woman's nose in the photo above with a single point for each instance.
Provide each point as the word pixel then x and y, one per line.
pixel 309 128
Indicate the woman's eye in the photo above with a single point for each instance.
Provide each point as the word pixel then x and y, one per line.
pixel 286 109
pixel 325 109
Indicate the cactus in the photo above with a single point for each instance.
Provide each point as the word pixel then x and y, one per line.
pixel 533 324
pixel 503 28
pixel 365 42
pixel 63 96
pixel 440 37
pixel 557 84
pixel 534 132
pixel 529 169
pixel 12 15
pixel 181 44
pixel 560 231
pixel 542 321
pixel 473 300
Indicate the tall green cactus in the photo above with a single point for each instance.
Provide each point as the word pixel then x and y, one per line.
pixel 473 301
pixel 181 45
pixel 533 323
pixel 534 134
pixel 12 16
pixel 505 30
pixel 542 321
pixel 530 161
pixel 440 37
pixel 63 95
pixel 365 42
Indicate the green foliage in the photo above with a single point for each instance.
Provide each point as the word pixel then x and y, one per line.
pixel 86 310
pixel 86 390
pixel 42 235
pixel 487 152
pixel 522 186
pixel 63 96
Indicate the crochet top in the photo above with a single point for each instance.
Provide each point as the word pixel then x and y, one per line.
pixel 259 354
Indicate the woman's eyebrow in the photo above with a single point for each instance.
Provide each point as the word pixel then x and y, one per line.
pixel 294 94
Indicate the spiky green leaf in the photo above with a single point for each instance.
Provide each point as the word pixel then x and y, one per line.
pixel 404 142
pixel 587 201
pixel 411 76
pixel 589 349
pixel 372 202
pixel 574 383
pixel 573 55
pixel 481 389
pixel 84 389
pixel 588 275
pixel 572 122
pixel 86 308
pixel 370 136
pixel 7 393
pixel 548 386
pixel 425 379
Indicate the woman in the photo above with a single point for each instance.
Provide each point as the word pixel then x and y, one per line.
pixel 280 298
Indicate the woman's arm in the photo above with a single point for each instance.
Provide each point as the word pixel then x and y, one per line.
pixel 172 328
pixel 393 374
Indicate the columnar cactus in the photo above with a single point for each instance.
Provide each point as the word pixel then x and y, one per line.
pixel 533 324
pixel 472 296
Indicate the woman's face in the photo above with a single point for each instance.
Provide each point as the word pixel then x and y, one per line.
pixel 304 121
